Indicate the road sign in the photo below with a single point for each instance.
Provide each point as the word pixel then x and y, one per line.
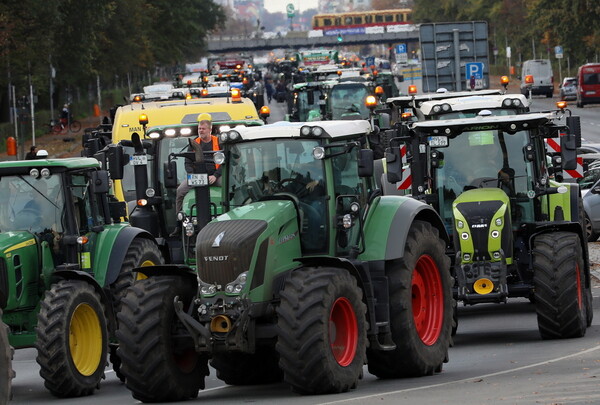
pixel 474 69
pixel 290 10
pixel 401 54
pixel 558 52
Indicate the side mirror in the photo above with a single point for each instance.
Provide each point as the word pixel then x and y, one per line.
pixel 116 160
pixel 170 176
pixel 100 182
pixel 365 163
pixel 568 152
pixel 394 164
pixel 574 124
pixel 310 94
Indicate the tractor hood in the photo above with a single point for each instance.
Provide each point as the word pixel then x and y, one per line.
pixel 482 224
pixel 12 242
pixel 233 242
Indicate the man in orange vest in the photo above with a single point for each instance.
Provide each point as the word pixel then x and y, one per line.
pixel 209 143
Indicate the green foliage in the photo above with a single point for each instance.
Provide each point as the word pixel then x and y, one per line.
pixel 86 39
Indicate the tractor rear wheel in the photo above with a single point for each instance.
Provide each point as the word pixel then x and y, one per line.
pixel 6 371
pixel 141 253
pixel 158 356
pixel 248 369
pixel 322 331
pixel 72 339
pixel 421 308
pixel 559 282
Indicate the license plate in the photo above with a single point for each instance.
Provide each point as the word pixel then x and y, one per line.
pixel 197 179
pixel 138 160
pixel 438 141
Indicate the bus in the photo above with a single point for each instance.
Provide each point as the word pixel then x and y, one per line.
pixel 361 19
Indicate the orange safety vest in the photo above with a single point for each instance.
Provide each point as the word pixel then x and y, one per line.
pixel 215 145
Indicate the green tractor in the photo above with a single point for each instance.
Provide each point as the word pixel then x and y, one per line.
pixel 307 275
pixel 6 371
pixel 517 231
pixel 66 260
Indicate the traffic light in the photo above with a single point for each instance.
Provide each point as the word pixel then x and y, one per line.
pixel 340 39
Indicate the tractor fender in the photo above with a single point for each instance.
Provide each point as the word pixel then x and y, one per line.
pixel 388 222
pixel 71 274
pixel 119 249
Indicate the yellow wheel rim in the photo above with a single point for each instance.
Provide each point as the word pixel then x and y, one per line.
pixel 145 263
pixel 85 339
pixel 483 286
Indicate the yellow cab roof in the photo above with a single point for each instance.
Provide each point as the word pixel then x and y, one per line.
pixel 180 112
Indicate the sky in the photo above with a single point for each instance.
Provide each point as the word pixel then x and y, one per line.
pixel 278 6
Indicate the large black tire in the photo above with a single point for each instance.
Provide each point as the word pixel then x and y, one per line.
pixel 72 339
pixel 159 367
pixel 6 371
pixel 559 282
pixel 141 253
pixel 322 331
pixel 248 369
pixel 421 308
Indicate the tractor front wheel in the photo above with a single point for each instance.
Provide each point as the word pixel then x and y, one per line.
pixel 421 308
pixel 141 253
pixel 6 371
pixel 322 331
pixel 72 339
pixel 158 356
pixel 559 280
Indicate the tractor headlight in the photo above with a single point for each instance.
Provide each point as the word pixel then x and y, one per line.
pixel 207 289
pixel 35 173
pixel 150 192
pixel 170 132
pixel 460 224
pixel 347 221
pixel 154 135
pixel 238 284
pixel 464 236
pixel 496 255
pixel 495 234
pixel 186 131
pixel 189 229
pixel 45 173
pixel 318 153
pixel 219 158
pixel 180 216
pixel 499 221
pixel 467 257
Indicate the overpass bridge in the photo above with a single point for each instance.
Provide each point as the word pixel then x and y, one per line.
pixel 300 39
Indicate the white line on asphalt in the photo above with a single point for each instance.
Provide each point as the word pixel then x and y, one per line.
pixel 380 394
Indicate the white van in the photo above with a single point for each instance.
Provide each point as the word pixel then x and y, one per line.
pixel 543 78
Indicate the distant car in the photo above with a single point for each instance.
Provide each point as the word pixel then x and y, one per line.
pixel 568 89
pixel 591 206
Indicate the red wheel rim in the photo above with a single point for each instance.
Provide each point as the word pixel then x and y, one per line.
pixel 343 331
pixel 427 300
pixel 579 289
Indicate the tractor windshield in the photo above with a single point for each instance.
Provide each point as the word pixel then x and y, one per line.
pixel 495 159
pixel 308 102
pixel 348 101
pixel 282 168
pixel 31 204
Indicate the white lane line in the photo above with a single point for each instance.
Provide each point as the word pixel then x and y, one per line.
pixel 380 394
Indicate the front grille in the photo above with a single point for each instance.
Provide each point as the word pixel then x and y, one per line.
pixel 223 263
pixel 3 283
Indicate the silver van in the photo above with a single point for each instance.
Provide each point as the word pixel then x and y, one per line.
pixel 543 78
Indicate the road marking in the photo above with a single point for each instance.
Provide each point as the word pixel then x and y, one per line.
pixel 380 394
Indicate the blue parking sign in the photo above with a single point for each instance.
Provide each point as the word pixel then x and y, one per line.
pixel 474 69
pixel 401 48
